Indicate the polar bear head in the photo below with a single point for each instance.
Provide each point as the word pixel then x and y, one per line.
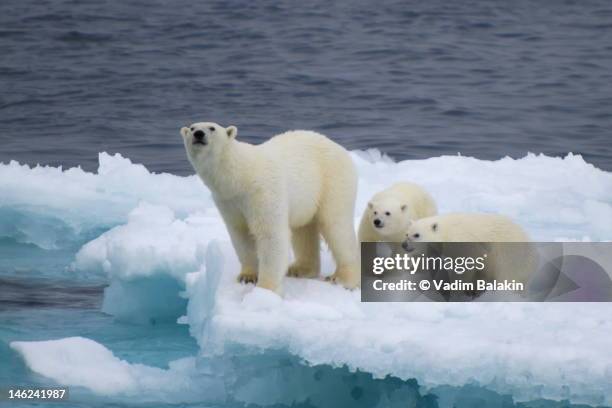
pixel 425 230
pixel 388 216
pixel 204 140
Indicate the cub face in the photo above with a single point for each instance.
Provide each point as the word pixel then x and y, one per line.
pixel 388 217
pixel 204 139
pixel 424 231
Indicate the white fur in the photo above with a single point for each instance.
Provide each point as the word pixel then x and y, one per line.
pixel 395 207
pixel 514 261
pixel 293 187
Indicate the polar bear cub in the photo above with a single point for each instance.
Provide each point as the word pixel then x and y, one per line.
pixel 466 227
pixel 389 212
pixel 293 187
pixel 505 261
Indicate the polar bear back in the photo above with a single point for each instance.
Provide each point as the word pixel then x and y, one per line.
pixel 312 166
pixel 467 227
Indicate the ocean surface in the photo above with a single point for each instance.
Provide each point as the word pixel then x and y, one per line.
pixel 414 79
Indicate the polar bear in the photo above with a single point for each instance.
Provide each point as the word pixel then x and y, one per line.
pixel 513 257
pixel 293 187
pixel 389 212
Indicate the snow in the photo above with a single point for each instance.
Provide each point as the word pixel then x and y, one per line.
pixel 162 246
pixel 81 362
pixel 553 197
pixel 529 350
pixel 153 241
pixel 72 204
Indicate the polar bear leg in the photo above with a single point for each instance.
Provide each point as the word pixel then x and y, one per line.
pixel 273 253
pixel 336 223
pixel 343 245
pixel 305 241
pixel 267 217
pixel 244 245
pixel 242 241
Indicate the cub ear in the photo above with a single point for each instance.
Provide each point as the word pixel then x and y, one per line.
pixel 232 131
pixel 370 205
pixel 434 226
pixel 403 207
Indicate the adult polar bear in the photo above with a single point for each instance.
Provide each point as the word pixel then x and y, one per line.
pixel 295 186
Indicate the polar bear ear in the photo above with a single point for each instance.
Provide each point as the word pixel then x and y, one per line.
pixel 370 205
pixel 232 131
pixel 434 226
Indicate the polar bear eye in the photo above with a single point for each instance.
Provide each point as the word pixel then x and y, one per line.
pixel 375 212
pixel 192 128
pixel 417 236
pixel 212 129
pixel 387 213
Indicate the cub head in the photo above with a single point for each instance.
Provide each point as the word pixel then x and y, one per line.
pixel 204 140
pixel 424 230
pixel 388 216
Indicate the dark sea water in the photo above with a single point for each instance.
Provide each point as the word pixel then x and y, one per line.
pixel 415 79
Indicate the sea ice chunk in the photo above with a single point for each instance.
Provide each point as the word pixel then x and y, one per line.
pixel 78 361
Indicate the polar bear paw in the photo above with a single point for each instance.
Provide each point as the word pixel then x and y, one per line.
pixel 247 275
pixel 271 284
pixel 302 271
pixel 349 277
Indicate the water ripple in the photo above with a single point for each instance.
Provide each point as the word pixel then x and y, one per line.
pixel 457 72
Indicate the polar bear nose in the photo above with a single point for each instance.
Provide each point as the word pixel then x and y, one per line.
pixel 378 222
pixel 407 246
pixel 198 134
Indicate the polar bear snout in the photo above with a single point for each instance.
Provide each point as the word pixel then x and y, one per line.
pixel 199 137
pixel 378 223
pixel 407 246
pixel 194 136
